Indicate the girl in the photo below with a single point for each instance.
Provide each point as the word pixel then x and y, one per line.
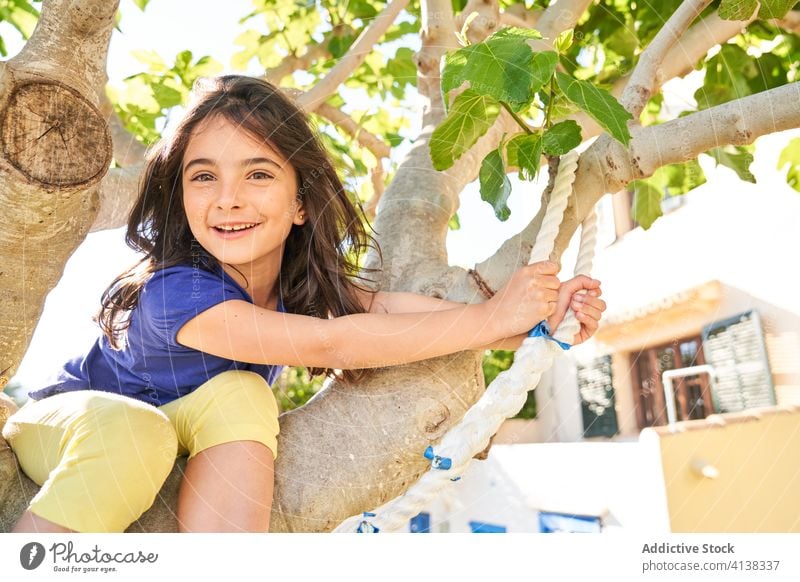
pixel 242 221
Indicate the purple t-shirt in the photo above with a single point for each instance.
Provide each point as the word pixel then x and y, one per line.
pixel 153 366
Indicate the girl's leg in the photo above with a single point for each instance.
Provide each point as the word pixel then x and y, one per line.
pixel 32 523
pixel 227 488
pixel 228 426
pixel 100 459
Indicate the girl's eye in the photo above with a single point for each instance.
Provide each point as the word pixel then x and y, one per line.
pixel 204 177
pixel 260 175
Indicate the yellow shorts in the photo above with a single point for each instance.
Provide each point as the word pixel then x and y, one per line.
pixel 101 458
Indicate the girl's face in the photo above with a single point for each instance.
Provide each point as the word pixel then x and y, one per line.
pixel 239 195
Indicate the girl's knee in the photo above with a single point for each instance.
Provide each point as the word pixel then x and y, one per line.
pixel 242 388
pixel 232 406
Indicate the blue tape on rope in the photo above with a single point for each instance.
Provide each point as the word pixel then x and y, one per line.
pixel 543 330
pixel 437 462
pixel 365 526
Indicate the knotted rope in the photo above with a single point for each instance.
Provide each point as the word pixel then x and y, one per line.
pixel 507 394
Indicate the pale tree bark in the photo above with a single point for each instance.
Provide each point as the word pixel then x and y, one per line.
pixel 55 150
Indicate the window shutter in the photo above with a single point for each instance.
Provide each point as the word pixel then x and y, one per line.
pixel 735 347
pixel 597 398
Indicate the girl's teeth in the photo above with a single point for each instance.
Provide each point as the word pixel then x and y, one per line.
pixel 232 228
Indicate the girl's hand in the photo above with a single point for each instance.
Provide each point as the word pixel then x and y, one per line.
pixel 529 297
pixel 582 294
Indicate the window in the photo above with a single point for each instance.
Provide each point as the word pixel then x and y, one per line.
pixel 692 394
pixel 735 347
pixel 597 398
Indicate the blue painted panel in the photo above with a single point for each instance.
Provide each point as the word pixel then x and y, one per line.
pixel 481 527
pixel 552 522
pixel 420 523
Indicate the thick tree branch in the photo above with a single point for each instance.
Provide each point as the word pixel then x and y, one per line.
pixel 647 75
pixel 56 149
pixel 419 202
pixel 376 178
pixel 560 16
pixel 790 22
pixel 519 16
pixel 118 192
pixel 128 151
pixel 485 22
pixel 354 57
pixel 737 122
pixel 557 18
pixel 85 26
pixel 438 37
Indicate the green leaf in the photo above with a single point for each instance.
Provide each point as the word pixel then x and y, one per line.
pixel 517 34
pixel 166 96
pixel 21 15
pixel 737 158
pixel 471 116
pixel 394 139
pixel 543 67
pixel 453 71
pixel 501 67
pixel 599 104
pixel 743 9
pixel 737 9
pixel 524 151
pixel 182 60
pixel 564 41
pixel 338 45
pixel 495 186
pixel 561 138
pixel 401 68
pixel 730 74
pixel 646 203
pixel 775 8
pixel 790 155
pixel 142 4
pixel 454 223
pixel 677 179
pixel 361 9
pixel 150 58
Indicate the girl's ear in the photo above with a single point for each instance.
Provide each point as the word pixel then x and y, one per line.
pixel 300 215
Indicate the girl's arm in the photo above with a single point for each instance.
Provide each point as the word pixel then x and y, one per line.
pixel 588 308
pixel 238 330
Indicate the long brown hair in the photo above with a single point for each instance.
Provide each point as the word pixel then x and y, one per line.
pixel 318 274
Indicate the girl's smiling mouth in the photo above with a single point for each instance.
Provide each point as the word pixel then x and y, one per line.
pixel 234 230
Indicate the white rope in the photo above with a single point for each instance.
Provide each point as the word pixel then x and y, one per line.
pixel 507 394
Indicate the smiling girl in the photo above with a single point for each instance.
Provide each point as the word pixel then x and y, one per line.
pixel 242 223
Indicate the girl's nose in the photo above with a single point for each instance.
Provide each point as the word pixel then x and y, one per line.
pixel 228 197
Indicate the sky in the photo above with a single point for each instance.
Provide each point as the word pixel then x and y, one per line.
pixel 168 28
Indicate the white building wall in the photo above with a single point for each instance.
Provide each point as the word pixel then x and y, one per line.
pixel 744 235
pixel 620 482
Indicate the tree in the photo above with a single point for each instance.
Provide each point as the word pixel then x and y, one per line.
pixel 506 98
